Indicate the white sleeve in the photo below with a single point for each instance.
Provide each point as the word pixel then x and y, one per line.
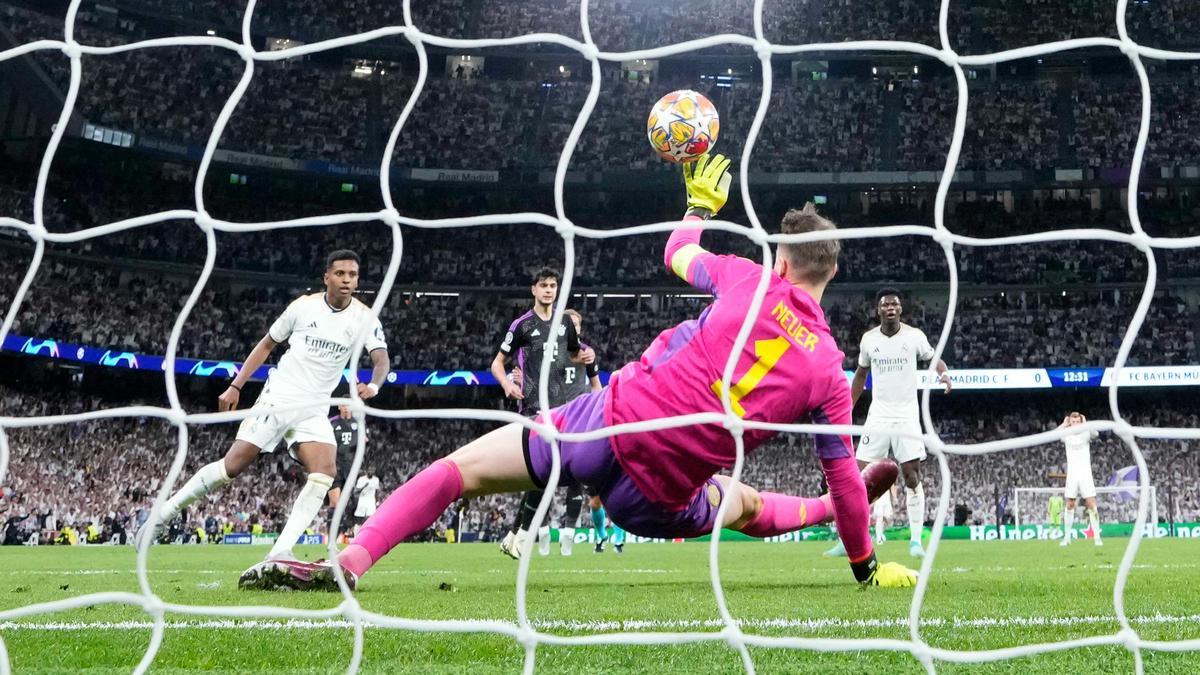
pixel 281 330
pixel 360 483
pixel 924 349
pixel 864 357
pixel 375 340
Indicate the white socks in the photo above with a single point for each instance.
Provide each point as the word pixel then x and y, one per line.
pixel 1068 517
pixel 566 540
pixel 544 540
pixel 1094 520
pixel 915 503
pixel 210 477
pixel 308 503
pixel 879 538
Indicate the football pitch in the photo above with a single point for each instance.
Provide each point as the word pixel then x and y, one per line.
pixel 982 595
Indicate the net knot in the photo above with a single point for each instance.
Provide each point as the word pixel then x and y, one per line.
pixel 1141 240
pixel 72 50
pixel 565 229
pixel 154 606
pixel 948 57
pixel 527 637
pixel 590 52
pixel 390 216
pixel 1124 431
pixel 922 653
pixel 204 221
pixel 934 443
pixel 247 52
pixel 734 425
pixel 762 49
pixel 1129 638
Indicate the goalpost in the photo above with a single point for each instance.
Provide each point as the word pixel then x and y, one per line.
pixel 732 635
pixel 1116 504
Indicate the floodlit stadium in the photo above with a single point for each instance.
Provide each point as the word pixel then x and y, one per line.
pixel 601 336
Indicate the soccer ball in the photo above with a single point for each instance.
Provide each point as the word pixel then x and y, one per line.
pixel 682 126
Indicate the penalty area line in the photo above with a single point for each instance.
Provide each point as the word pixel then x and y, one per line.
pixel 622 625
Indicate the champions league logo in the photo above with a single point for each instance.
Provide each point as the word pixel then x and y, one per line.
pixel 457 377
pixel 127 359
pixel 208 368
pixel 41 348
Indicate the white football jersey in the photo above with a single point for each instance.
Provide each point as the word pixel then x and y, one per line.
pixel 367 488
pixel 1079 451
pixel 319 338
pixel 893 364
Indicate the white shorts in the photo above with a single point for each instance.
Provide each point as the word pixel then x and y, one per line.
pixel 295 426
pixel 882 508
pixel 365 509
pixel 873 446
pixel 1080 484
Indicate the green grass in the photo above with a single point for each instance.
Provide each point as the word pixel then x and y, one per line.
pixel 974 585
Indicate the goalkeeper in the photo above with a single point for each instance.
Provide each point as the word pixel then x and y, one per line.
pixel 666 482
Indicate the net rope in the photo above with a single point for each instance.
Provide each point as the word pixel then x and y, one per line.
pixel 523 631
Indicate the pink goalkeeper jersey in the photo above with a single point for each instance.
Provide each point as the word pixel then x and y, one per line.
pixel 790 371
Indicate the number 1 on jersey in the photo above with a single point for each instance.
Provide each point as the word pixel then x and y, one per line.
pixel 768 352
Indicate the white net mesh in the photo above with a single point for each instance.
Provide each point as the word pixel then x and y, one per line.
pixel 523 631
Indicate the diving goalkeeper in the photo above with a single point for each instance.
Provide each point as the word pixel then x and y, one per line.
pixel 665 483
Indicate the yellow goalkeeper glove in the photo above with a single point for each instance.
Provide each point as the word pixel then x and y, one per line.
pixel 707 180
pixel 893 575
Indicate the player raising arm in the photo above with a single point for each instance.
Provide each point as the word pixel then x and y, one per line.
pixel 320 329
pixel 665 482
pixel 1079 477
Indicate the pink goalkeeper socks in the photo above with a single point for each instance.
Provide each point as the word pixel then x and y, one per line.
pixel 413 507
pixel 783 513
pixel 849 495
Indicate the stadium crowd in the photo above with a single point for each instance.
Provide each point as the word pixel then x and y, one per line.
pixel 101 477
pixel 132 311
pixel 319 110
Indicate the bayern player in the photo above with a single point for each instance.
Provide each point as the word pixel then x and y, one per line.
pixel 1079 477
pixel 889 353
pixel 320 330
pixel 525 343
pixel 665 482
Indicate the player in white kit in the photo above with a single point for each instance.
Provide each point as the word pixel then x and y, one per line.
pixel 1079 477
pixel 366 489
pixel 320 330
pixel 889 353
pixel 883 512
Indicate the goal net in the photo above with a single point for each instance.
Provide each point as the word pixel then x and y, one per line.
pixel 1033 505
pixel 522 630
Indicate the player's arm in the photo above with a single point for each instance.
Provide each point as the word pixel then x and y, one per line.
pixel 859 384
pixel 229 399
pixel 707 180
pixel 581 354
pixel 593 371
pixel 381 365
pixel 514 340
pixel 926 353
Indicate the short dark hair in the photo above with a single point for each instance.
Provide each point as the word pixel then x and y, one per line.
pixel 814 261
pixel 884 292
pixel 547 273
pixel 341 254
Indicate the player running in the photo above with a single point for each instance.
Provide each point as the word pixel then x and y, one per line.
pixel 1079 477
pixel 889 353
pixel 525 343
pixel 665 483
pixel 320 329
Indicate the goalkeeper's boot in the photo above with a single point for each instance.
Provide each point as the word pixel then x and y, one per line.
pixel 838 550
pixel 887 575
pixel 915 549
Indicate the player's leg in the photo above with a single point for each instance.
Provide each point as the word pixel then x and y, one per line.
pixel 872 447
pixel 566 535
pixel 490 464
pixel 1093 515
pixel 1069 511
pixel 318 460
pixel 599 521
pixel 211 477
pixel 618 538
pixel 910 453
